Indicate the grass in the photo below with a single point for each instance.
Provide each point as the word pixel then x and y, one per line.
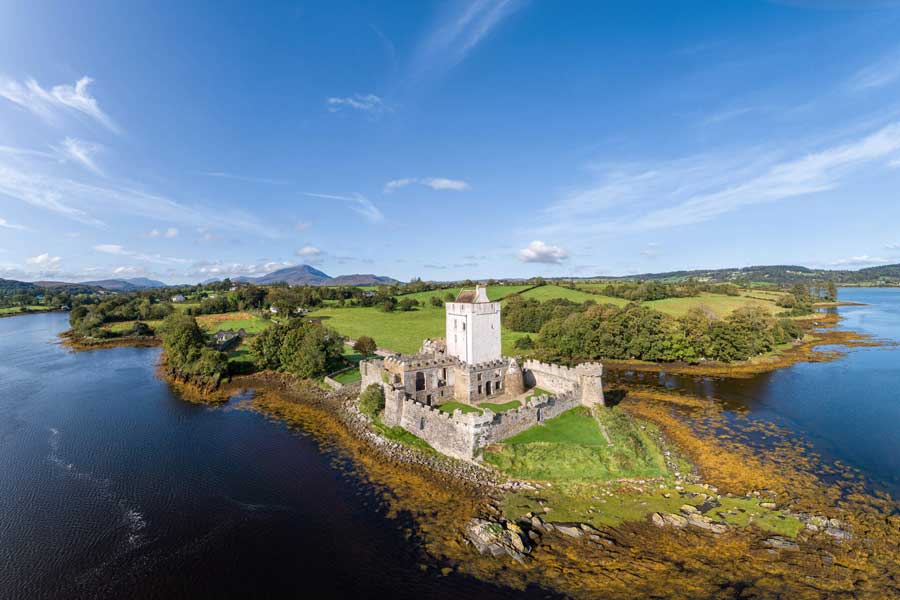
pixel 123 326
pixel 450 407
pixel 571 447
pixel 549 292
pixel 719 304
pixel 402 436
pixel 536 391
pixel 348 377
pixel 250 323
pixel 13 310
pixel 501 408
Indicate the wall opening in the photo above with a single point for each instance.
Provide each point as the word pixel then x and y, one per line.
pixel 487 388
pixel 420 381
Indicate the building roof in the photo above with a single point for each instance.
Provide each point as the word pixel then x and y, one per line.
pixel 479 294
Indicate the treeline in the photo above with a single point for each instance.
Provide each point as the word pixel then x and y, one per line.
pixel 525 314
pixel 87 319
pixel 644 291
pixel 302 348
pixel 604 331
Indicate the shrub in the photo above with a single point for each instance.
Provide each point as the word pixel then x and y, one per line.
pixel 365 345
pixel 371 401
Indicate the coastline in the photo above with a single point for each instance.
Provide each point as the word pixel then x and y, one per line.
pixel 441 496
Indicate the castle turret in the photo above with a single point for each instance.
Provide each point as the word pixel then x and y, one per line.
pixel 473 327
pixel 514 380
pixel 590 379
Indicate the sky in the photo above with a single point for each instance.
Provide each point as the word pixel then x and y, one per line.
pixel 187 141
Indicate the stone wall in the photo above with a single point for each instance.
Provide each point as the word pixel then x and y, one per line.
pixel 584 380
pixel 450 434
pixel 512 422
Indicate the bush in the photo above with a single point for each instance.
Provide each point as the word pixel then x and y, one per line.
pixel 525 343
pixel 365 345
pixel 371 401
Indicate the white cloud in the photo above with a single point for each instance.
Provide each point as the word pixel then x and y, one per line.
pixel 357 202
pixel 368 103
pixel 539 252
pixel 879 74
pixel 894 164
pixel 44 262
pixel 48 104
pixel 302 226
pixel 651 250
pixel 171 232
pixel 657 196
pixel 7 225
pixel 435 183
pixel 118 250
pixel 860 261
pixel 209 269
pixel 308 251
pixel 893 246
pixel 81 152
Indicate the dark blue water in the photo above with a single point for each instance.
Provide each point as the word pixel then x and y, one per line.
pixel 112 487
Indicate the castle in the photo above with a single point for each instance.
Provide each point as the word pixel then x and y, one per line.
pixel 467 366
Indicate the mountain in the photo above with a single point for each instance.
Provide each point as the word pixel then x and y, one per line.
pixel 11 286
pixel 362 279
pixel 307 275
pixel 296 275
pixel 127 285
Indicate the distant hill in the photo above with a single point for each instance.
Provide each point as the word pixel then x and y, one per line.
pixel 780 274
pixel 126 285
pixel 307 275
pixel 11 286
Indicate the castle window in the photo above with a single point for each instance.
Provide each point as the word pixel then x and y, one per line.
pixel 422 423
pixel 428 399
pixel 464 325
pixel 420 381
pixel 479 377
pixel 479 389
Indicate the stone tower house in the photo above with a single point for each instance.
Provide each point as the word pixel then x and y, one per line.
pixel 473 327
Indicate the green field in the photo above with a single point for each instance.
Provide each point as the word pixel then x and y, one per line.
pixel 250 323
pixel 549 292
pixel 14 310
pixel 571 447
pixel 502 407
pixel 348 377
pixel 494 292
pixel 449 407
pixel 122 326
pixel 719 304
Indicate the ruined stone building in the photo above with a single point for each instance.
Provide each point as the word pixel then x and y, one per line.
pixel 467 366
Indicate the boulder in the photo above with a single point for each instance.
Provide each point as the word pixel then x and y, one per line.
pixel 658 520
pixel 570 530
pixel 490 537
pixel 675 520
pixel 688 509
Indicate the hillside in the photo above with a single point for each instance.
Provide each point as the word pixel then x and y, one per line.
pixel 780 274
pixel 307 275
pixel 126 285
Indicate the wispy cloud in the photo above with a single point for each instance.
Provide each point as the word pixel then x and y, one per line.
pixel 435 183
pixel 357 202
pixel 118 250
pixel 31 178
pixel 457 33
pixel 539 252
pixel 218 269
pixel 50 104
pixel 81 152
pixel 7 225
pixel 302 226
pixel 170 233
pixel 894 164
pixel 308 251
pixel 367 103
pixel 656 196
pixel 863 260
pixel 245 178
pixel 879 74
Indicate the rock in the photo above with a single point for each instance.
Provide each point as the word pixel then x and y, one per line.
pixel 781 543
pixel 688 509
pixel 658 520
pixel 570 530
pixel 704 522
pixel 838 533
pixel 537 523
pixel 769 505
pixel 492 538
pixel 675 520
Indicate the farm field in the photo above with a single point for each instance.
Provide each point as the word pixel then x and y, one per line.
pixel 549 292
pixel 14 310
pixel 236 320
pixel 720 304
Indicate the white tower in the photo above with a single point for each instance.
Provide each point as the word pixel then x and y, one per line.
pixel 473 327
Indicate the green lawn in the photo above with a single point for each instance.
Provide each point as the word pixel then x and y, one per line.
pixel 249 322
pixel 494 292
pixel 449 407
pixel 183 306
pixel 536 391
pixel 122 326
pixel 548 292
pixel 348 377
pixel 501 408
pixel 571 447
pixel 720 304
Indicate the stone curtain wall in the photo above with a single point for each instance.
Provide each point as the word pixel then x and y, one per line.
pixel 553 378
pixel 450 434
pixel 516 421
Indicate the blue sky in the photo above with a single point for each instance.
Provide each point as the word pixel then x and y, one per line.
pixel 486 138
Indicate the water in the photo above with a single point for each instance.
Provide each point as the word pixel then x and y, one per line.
pixel 112 487
pixel 849 409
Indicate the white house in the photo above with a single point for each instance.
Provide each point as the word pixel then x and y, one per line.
pixel 178 298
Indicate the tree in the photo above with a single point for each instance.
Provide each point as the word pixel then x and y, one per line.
pixel 437 302
pixel 365 345
pixel 389 305
pixel 182 340
pixel 407 304
pixel 831 291
pixel 266 347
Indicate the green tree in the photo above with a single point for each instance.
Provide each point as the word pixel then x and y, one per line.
pixel 266 347
pixel 365 345
pixel 371 401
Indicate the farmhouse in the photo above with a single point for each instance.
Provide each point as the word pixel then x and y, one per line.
pixel 466 367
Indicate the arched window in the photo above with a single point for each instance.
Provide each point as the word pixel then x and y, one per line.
pixel 420 381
